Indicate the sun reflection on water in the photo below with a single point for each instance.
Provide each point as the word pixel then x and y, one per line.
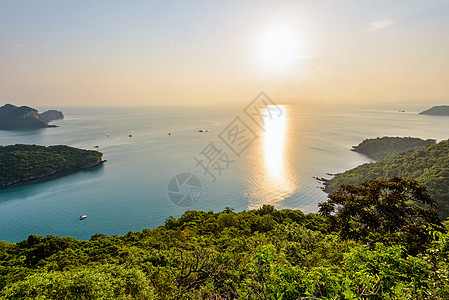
pixel 274 145
pixel 274 176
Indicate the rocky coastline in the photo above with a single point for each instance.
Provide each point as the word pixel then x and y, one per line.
pixel 326 182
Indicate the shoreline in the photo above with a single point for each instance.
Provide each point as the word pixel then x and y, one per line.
pixel 326 182
pixel 354 149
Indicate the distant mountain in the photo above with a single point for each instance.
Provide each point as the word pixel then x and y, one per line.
pixel 442 110
pixel 24 117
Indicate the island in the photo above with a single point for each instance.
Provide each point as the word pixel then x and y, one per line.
pixel 23 163
pixel 384 147
pixel 51 115
pixel 13 117
pixel 441 110
pixel 428 165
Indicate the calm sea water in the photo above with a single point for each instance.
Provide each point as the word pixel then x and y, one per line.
pixel 129 192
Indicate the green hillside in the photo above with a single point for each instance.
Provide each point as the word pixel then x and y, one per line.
pixel 384 147
pixel 428 165
pixel 259 254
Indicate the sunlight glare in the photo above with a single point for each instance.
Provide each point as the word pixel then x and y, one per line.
pixel 274 144
pixel 279 47
pixel 275 179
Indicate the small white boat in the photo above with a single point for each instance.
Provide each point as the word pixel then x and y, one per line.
pixel 82 217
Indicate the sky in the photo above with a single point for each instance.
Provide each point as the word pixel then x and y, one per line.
pixel 109 52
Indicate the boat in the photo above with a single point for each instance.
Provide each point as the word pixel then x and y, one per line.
pixel 82 217
pixel 130 135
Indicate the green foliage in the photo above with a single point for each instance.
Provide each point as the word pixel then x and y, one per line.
pixel 99 282
pixel 384 147
pixel 20 163
pixel 428 165
pixel 258 254
pixel 396 210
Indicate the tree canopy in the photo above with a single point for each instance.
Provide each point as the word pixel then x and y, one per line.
pixel 397 209
pixel 384 147
pixel 258 254
pixel 19 163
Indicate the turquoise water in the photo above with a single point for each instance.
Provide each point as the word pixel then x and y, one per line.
pixel 129 192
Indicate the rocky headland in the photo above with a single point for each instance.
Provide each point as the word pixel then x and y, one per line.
pixel 14 117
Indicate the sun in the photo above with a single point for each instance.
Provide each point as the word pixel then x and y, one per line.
pixel 278 47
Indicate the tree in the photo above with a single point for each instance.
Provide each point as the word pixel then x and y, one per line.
pixel 394 210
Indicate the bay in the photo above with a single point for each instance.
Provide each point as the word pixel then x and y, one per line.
pixel 129 192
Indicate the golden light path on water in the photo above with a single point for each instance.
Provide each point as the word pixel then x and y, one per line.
pixel 275 180
pixel 274 139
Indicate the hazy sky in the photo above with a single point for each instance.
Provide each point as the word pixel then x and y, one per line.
pixel 194 52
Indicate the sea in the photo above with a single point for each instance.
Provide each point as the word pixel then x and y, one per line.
pixel 164 160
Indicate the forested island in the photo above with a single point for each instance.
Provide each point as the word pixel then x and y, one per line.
pixel 13 117
pixel 384 147
pixel 23 163
pixel 428 165
pixel 257 254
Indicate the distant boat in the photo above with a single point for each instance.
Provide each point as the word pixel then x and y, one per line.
pixel 130 135
pixel 82 217
pixel 95 146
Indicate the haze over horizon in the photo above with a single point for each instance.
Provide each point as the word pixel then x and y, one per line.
pixel 60 53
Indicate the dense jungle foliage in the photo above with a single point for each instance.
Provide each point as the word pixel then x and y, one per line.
pixel 20 163
pixel 428 165
pixel 384 147
pixel 257 254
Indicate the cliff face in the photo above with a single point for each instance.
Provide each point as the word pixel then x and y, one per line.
pixel 24 117
pixel 30 114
